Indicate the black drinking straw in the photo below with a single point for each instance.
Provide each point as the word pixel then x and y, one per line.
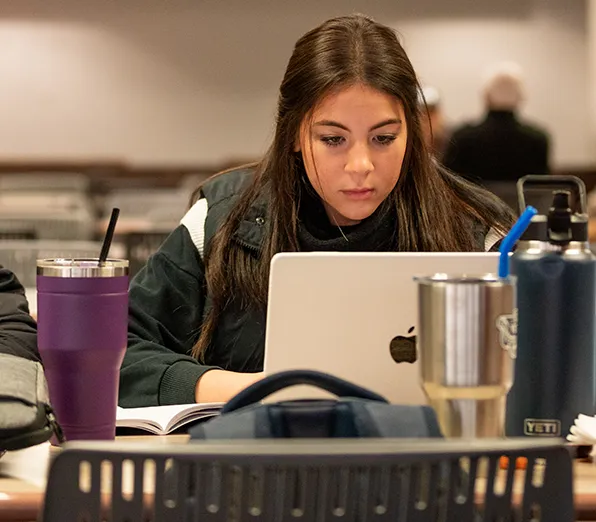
pixel 107 240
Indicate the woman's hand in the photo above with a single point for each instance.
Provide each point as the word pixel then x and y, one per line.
pixel 221 385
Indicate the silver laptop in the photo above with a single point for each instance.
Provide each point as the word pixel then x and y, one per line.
pixel 354 315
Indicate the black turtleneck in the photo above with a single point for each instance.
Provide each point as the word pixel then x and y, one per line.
pixel 501 116
pixel 377 233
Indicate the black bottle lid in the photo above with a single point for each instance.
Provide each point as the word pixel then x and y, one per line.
pixel 559 219
pixel 560 226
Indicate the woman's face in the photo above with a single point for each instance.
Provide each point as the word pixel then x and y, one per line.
pixel 353 148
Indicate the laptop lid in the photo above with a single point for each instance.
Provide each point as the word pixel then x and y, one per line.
pixel 354 314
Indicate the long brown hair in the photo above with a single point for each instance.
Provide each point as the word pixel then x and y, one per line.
pixel 435 209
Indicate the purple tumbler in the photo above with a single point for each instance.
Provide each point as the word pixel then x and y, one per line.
pixel 82 316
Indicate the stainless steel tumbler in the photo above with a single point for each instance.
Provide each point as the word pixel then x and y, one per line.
pixel 467 343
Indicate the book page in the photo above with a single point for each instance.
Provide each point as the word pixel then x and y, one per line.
pixel 197 412
pixel 158 416
pixel 163 419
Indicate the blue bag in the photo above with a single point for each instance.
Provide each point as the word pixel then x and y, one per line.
pixel 357 412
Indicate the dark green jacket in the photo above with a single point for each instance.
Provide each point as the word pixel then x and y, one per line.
pixel 168 299
pixel 18 330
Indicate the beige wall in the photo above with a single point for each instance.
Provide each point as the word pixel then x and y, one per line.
pixel 176 81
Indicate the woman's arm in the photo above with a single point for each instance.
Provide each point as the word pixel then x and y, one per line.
pixel 166 304
pixel 221 385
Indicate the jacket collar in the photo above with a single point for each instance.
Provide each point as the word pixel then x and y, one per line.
pixel 501 115
pixel 253 227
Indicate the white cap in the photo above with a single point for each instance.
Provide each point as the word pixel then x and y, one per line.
pixel 430 95
pixel 503 86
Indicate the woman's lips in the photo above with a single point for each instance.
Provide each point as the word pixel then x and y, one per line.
pixel 363 193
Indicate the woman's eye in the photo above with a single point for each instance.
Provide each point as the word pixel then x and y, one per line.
pixel 385 139
pixel 332 141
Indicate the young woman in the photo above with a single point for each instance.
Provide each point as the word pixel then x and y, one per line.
pixel 348 170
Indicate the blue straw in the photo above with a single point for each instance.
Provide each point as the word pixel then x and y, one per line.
pixel 514 234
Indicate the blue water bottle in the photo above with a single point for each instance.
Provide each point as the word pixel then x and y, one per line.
pixel 556 296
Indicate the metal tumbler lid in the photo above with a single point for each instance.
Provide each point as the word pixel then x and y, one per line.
pixel 483 279
pixel 82 267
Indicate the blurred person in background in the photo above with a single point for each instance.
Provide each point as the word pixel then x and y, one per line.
pixel 502 147
pixel 432 121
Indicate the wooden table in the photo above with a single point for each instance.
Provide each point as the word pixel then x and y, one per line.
pixel 585 490
pixel 21 501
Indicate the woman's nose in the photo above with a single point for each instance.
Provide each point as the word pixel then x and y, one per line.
pixel 359 160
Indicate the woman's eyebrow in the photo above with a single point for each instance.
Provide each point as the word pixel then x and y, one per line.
pixel 331 123
pixel 390 121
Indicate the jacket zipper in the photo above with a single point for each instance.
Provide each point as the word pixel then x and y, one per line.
pixel 246 245
pixel 51 417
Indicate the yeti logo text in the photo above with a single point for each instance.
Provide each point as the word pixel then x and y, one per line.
pixel 542 427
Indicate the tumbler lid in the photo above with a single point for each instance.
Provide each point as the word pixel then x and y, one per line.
pixel 463 279
pixel 82 267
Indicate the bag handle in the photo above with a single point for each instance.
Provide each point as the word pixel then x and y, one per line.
pixel 278 381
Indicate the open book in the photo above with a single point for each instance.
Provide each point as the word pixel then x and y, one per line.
pixel 161 420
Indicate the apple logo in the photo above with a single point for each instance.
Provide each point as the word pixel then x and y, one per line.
pixel 403 348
